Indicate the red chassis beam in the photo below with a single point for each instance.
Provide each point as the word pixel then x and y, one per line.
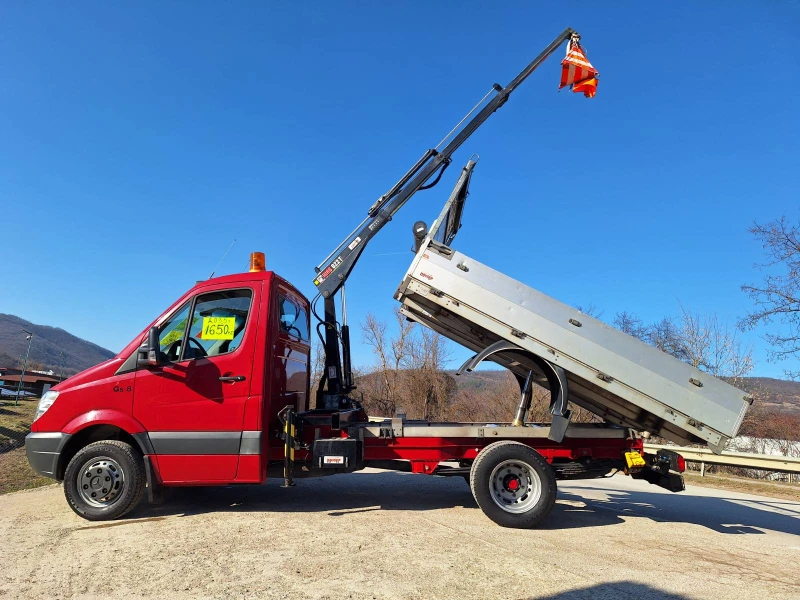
pixel 448 449
pixel 425 453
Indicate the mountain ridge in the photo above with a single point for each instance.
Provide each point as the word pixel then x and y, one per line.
pixel 46 347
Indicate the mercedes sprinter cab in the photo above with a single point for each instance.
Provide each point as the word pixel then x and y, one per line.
pixel 189 401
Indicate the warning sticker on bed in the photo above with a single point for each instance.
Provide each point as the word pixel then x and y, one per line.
pixel 218 328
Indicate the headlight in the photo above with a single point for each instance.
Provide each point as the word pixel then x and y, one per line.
pixel 45 403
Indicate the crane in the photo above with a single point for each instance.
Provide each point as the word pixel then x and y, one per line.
pixel 332 272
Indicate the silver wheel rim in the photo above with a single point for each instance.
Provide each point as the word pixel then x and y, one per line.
pixel 515 486
pixel 100 481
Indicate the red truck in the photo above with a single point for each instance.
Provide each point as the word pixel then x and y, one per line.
pixel 227 391
pixel 215 391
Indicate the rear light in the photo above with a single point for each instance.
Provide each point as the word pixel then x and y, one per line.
pixel 257 262
pixel 681 463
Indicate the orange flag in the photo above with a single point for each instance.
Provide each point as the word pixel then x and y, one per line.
pixel 577 71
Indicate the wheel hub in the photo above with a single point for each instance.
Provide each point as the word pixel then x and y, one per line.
pixel 100 481
pixel 511 483
pixel 515 486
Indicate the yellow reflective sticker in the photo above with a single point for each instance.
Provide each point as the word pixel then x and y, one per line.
pixel 218 328
pixel 172 336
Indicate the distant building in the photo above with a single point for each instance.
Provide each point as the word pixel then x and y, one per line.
pixel 35 382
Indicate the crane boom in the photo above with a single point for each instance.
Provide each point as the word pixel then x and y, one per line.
pixel 335 269
pixel 332 274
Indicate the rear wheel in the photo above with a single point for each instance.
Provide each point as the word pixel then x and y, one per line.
pixel 513 484
pixel 104 480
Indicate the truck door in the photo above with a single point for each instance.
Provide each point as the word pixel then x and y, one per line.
pixel 193 404
pixel 290 355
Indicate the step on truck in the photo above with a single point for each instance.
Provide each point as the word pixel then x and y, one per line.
pixel 216 390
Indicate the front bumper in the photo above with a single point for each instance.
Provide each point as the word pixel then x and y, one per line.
pixel 43 451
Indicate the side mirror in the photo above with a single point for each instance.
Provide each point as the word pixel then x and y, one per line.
pixel 149 352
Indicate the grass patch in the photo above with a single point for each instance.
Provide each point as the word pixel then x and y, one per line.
pixel 15 423
pixel 773 489
pixel 16 474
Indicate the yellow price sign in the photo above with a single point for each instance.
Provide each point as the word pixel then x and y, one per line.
pixel 218 328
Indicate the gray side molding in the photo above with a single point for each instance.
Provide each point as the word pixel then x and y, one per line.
pixel 196 442
pixel 251 442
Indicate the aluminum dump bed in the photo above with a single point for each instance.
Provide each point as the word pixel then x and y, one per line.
pixel 616 376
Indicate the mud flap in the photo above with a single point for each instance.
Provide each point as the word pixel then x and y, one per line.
pixel 155 491
pixel 672 482
pixel 558 428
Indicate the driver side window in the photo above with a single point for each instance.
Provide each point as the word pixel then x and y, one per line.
pixel 170 338
pixel 217 326
pixel 218 323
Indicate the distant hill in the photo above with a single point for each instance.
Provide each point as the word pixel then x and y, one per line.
pixel 48 343
pixel 479 380
pixel 775 395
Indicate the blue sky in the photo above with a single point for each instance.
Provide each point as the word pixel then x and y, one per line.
pixel 137 141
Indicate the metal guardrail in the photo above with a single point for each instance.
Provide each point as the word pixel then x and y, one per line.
pixel 766 462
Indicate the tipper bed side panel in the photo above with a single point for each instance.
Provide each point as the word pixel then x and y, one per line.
pixel 616 376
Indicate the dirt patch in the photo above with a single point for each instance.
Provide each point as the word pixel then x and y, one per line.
pixel 396 536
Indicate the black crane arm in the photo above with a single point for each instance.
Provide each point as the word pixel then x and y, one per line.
pixel 332 274
pixel 334 270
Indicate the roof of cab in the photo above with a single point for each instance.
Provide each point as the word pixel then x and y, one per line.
pixel 255 276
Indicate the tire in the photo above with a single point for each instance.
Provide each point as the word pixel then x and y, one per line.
pixel 513 484
pixel 112 480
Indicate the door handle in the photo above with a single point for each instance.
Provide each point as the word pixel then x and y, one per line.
pixel 232 378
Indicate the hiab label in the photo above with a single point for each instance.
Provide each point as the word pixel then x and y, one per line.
pixel 333 460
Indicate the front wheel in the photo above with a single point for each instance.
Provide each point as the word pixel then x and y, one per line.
pixel 104 480
pixel 513 484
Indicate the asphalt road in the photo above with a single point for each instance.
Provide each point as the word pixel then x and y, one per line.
pixel 380 534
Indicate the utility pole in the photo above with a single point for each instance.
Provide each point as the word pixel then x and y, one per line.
pixel 24 366
pixel 63 360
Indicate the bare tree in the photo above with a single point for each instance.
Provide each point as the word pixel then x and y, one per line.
pixel 428 384
pixel 591 310
pixel 703 341
pixel 665 336
pixel 409 373
pixel 628 323
pixel 497 402
pixel 317 366
pixel 391 354
pixel 777 297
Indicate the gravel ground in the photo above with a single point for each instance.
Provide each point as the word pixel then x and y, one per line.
pixel 380 535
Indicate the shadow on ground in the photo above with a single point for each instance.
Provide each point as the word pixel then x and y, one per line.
pixel 365 492
pixel 723 515
pixel 614 591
